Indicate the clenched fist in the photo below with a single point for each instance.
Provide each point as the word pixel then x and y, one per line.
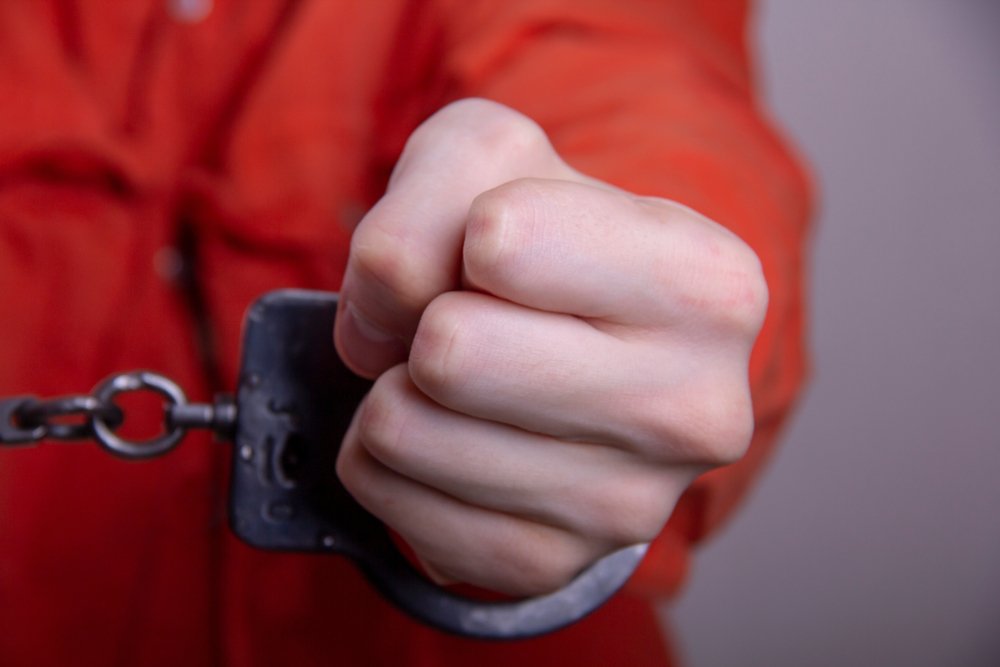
pixel 556 359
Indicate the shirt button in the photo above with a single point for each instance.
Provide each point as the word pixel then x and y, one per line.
pixel 189 11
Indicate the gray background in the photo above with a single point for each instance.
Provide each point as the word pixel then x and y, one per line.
pixel 874 539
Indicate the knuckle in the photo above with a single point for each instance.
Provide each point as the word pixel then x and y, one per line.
pixel 722 280
pixel 381 258
pixel 707 425
pixel 631 510
pixel 481 126
pixel 499 232
pixel 438 356
pixel 499 129
pixel 748 288
pixel 721 426
pixel 738 291
pixel 354 473
pixel 382 421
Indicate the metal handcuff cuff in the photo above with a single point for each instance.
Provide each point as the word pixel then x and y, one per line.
pixel 293 403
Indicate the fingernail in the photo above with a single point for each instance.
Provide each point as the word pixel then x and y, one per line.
pixel 365 347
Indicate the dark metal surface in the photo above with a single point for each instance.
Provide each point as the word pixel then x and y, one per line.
pixel 138 381
pixel 49 413
pixel 12 430
pixel 28 420
pixel 295 401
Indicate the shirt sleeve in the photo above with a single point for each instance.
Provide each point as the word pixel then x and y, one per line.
pixel 657 97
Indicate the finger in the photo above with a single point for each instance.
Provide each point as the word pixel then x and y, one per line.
pixel 587 489
pixel 407 250
pixel 461 541
pixel 557 375
pixel 603 254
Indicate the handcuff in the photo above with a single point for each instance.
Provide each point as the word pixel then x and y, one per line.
pixel 293 403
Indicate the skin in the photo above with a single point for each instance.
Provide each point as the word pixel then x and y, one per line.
pixel 556 359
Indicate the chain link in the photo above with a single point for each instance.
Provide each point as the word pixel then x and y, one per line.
pixel 28 420
pixel 56 416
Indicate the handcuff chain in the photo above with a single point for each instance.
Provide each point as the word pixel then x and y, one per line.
pixel 28 420
pixel 50 415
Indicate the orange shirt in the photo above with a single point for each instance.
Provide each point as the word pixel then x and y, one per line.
pixel 254 137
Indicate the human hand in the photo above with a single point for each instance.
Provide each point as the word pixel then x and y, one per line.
pixel 556 359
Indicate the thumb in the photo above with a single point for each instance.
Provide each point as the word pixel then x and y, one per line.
pixel 408 249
